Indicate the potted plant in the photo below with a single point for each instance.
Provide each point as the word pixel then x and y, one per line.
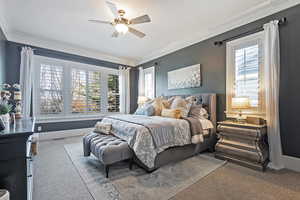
pixel 5 109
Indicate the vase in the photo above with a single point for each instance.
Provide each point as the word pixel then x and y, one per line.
pixel 5 118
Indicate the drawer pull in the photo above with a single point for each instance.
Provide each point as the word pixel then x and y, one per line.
pixel 29 176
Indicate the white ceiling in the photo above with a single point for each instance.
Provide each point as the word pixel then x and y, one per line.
pixel 63 24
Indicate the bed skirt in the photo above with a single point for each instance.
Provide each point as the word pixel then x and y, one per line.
pixel 175 154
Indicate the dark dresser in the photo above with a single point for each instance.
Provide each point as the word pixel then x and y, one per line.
pixel 15 159
pixel 244 144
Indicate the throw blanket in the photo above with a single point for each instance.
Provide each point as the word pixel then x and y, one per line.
pixel 162 131
pixel 196 130
pixel 148 136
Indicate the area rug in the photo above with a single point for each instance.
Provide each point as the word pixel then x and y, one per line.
pixel 136 184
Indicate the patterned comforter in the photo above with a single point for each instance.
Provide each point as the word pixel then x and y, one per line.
pixel 148 136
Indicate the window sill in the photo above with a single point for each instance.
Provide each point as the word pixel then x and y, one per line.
pixel 52 119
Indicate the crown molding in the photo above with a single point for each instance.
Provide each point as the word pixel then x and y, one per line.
pixel 24 38
pixel 260 11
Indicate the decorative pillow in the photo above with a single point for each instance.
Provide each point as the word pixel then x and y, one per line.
pixel 146 109
pixel 192 100
pixel 166 102
pixel 182 104
pixel 103 128
pixel 197 111
pixel 158 106
pixel 171 113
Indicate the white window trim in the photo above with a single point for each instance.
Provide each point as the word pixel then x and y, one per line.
pixel 67 66
pixel 150 70
pixel 230 74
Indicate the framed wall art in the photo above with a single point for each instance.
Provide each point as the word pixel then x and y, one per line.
pixel 187 77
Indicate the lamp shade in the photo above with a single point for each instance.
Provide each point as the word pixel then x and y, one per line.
pixel 240 103
pixel 142 99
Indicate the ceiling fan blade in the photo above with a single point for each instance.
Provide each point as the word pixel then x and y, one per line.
pixel 140 20
pixel 136 32
pixel 113 8
pixel 115 34
pixel 99 21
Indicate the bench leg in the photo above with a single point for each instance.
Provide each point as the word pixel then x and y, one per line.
pixel 106 170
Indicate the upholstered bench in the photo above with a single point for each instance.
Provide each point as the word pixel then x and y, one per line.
pixel 107 148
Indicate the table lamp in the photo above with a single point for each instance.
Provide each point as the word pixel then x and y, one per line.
pixel 240 103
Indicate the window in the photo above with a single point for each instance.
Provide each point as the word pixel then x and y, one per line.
pixel 68 89
pixel 149 78
pixel 51 99
pixel 86 91
pixel 245 73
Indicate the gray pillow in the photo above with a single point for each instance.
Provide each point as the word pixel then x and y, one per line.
pixel 147 109
pixel 197 111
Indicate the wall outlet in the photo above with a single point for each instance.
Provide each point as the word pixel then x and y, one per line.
pixel 39 128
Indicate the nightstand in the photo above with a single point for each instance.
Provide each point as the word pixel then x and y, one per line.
pixel 244 144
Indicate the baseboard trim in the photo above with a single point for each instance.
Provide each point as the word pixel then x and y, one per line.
pixel 63 134
pixel 291 163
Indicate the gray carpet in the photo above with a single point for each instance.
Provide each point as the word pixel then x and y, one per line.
pixel 136 184
pixel 56 178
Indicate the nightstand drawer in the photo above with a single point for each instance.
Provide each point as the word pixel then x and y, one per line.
pixel 240 153
pixel 248 145
pixel 241 132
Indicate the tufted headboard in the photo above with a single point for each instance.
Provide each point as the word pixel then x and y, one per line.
pixel 207 99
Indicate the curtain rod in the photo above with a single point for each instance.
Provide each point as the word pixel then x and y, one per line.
pixel 256 30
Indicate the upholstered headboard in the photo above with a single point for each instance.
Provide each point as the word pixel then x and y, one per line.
pixel 209 100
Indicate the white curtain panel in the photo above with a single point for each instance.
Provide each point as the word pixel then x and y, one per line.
pixel 272 78
pixel 141 82
pixel 124 86
pixel 26 76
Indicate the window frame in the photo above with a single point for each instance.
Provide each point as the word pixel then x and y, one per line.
pixel 231 47
pixel 150 70
pixel 67 66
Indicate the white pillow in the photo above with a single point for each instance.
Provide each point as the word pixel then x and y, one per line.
pixel 203 113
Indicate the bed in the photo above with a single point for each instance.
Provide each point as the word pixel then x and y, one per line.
pixel 157 141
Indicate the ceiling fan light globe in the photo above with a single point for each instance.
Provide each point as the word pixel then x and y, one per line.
pixel 121 28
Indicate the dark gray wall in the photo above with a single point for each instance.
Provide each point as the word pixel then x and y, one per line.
pixel 13 54
pixel 213 61
pixel 2 56
pixel 60 126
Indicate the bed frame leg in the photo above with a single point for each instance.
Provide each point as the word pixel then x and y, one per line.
pixel 106 170
pixel 211 149
pixel 150 171
pixel 130 163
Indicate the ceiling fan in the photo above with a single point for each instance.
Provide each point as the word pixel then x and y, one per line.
pixel 122 24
